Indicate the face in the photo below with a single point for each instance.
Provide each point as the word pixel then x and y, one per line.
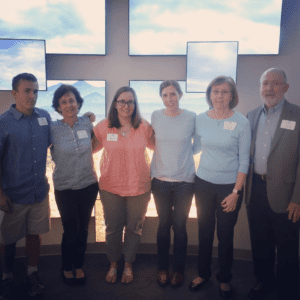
pixel 272 88
pixel 171 97
pixel 221 95
pixel 68 105
pixel 125 104
pixel 26 96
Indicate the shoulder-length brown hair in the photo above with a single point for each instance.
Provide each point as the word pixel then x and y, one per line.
pixel 113 118
pixel 220 80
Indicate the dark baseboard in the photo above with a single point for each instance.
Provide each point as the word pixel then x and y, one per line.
pixel 239 254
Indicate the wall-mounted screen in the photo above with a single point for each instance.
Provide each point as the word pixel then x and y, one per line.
pixel 92 92
pixel 207 60
pixel 149 100
pixel 68 26
pixel 163 27
pixel 20 56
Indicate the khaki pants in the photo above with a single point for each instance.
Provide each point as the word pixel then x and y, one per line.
pixel 120 212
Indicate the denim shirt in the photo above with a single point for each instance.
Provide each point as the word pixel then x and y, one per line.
pixel 71 152
pixel 23 152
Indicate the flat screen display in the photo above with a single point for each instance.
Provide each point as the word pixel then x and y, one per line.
pixel 164 27
pixel 207 60
pixel 68 26
pixel 22 56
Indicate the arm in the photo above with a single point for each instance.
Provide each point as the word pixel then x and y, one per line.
pixel 294 206
pixel 197 138
pixel 150 136
pixel 5 202
pixel 91 116
pixel 96 145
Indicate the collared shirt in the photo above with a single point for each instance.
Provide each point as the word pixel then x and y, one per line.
pixel 23 152
pixel 266 128
pixel 71 152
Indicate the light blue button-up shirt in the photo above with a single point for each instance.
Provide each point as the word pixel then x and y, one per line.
pixel 23 152
pixel 267 125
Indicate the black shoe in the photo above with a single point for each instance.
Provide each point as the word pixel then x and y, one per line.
pixel 34 284
pixel 176 279
pixel 69 281
pixel 260 291
pixel 7 287
pixel 80 280
pixel 226 294
pixel 195 287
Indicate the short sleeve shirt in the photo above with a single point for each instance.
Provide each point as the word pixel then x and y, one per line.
pixel 23 152
pixel 71 152
pixel 124 165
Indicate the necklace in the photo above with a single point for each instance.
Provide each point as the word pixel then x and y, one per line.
pixel 218 119
pixel 126 131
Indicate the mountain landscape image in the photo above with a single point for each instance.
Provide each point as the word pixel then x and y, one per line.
pixel 93 96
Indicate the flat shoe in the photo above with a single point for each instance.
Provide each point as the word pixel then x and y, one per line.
pixel 196 286
pixel 69 281
pixel 162 282
pixel 127 276
pixel 112 273
pixel 176 279
pixel 226 294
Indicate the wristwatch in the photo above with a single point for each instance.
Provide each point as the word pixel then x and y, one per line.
pixel 239 192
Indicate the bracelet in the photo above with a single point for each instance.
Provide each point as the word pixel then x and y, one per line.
pixel 238 192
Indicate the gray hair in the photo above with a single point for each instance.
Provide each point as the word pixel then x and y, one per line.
pixel 275 70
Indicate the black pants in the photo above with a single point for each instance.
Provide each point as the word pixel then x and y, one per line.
pixel 270 231
pixel 173 202
pixel 75 207
pixel 208 201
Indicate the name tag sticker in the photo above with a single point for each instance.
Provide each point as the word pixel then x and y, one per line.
pixel 229 125
pixel 111 137
pixel 290 125
pixel 82 134
pixel 42 121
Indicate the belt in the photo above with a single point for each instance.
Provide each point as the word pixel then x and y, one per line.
pixel 261 176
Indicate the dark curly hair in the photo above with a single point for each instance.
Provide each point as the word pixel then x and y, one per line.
pixel 62 90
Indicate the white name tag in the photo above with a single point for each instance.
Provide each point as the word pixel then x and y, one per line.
pixel 42 121
pixel 111 137
pixel 285 124
pixel 229 125
pixel 82 134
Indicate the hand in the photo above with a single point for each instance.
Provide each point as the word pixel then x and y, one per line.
pixel 294 211
pixel 91 116
pixel 5 203
pixel 229 203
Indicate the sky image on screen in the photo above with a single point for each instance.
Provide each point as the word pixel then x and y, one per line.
pixel 68 26
pixel 207 60
pixel 149 99
pixel 164 27
pixel 92 92
pixel 19 56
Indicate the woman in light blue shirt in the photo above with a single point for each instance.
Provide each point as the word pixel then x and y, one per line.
pixel 173 172
pixel 75 180
pixel 223 136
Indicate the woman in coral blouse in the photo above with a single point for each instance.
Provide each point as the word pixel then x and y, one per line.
pixel 125 178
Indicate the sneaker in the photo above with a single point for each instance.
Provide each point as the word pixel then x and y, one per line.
pixel 7 286
pixel 35 287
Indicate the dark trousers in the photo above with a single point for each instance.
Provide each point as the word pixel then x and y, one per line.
pixel 270 231
pixel 75 207
pixel 208 201
pixel 173 202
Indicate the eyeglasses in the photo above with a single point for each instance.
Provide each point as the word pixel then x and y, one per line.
pixel 272 83
pixel 223 93
pixel 130 103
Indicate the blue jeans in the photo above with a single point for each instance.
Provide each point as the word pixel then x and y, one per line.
pixel 173 202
